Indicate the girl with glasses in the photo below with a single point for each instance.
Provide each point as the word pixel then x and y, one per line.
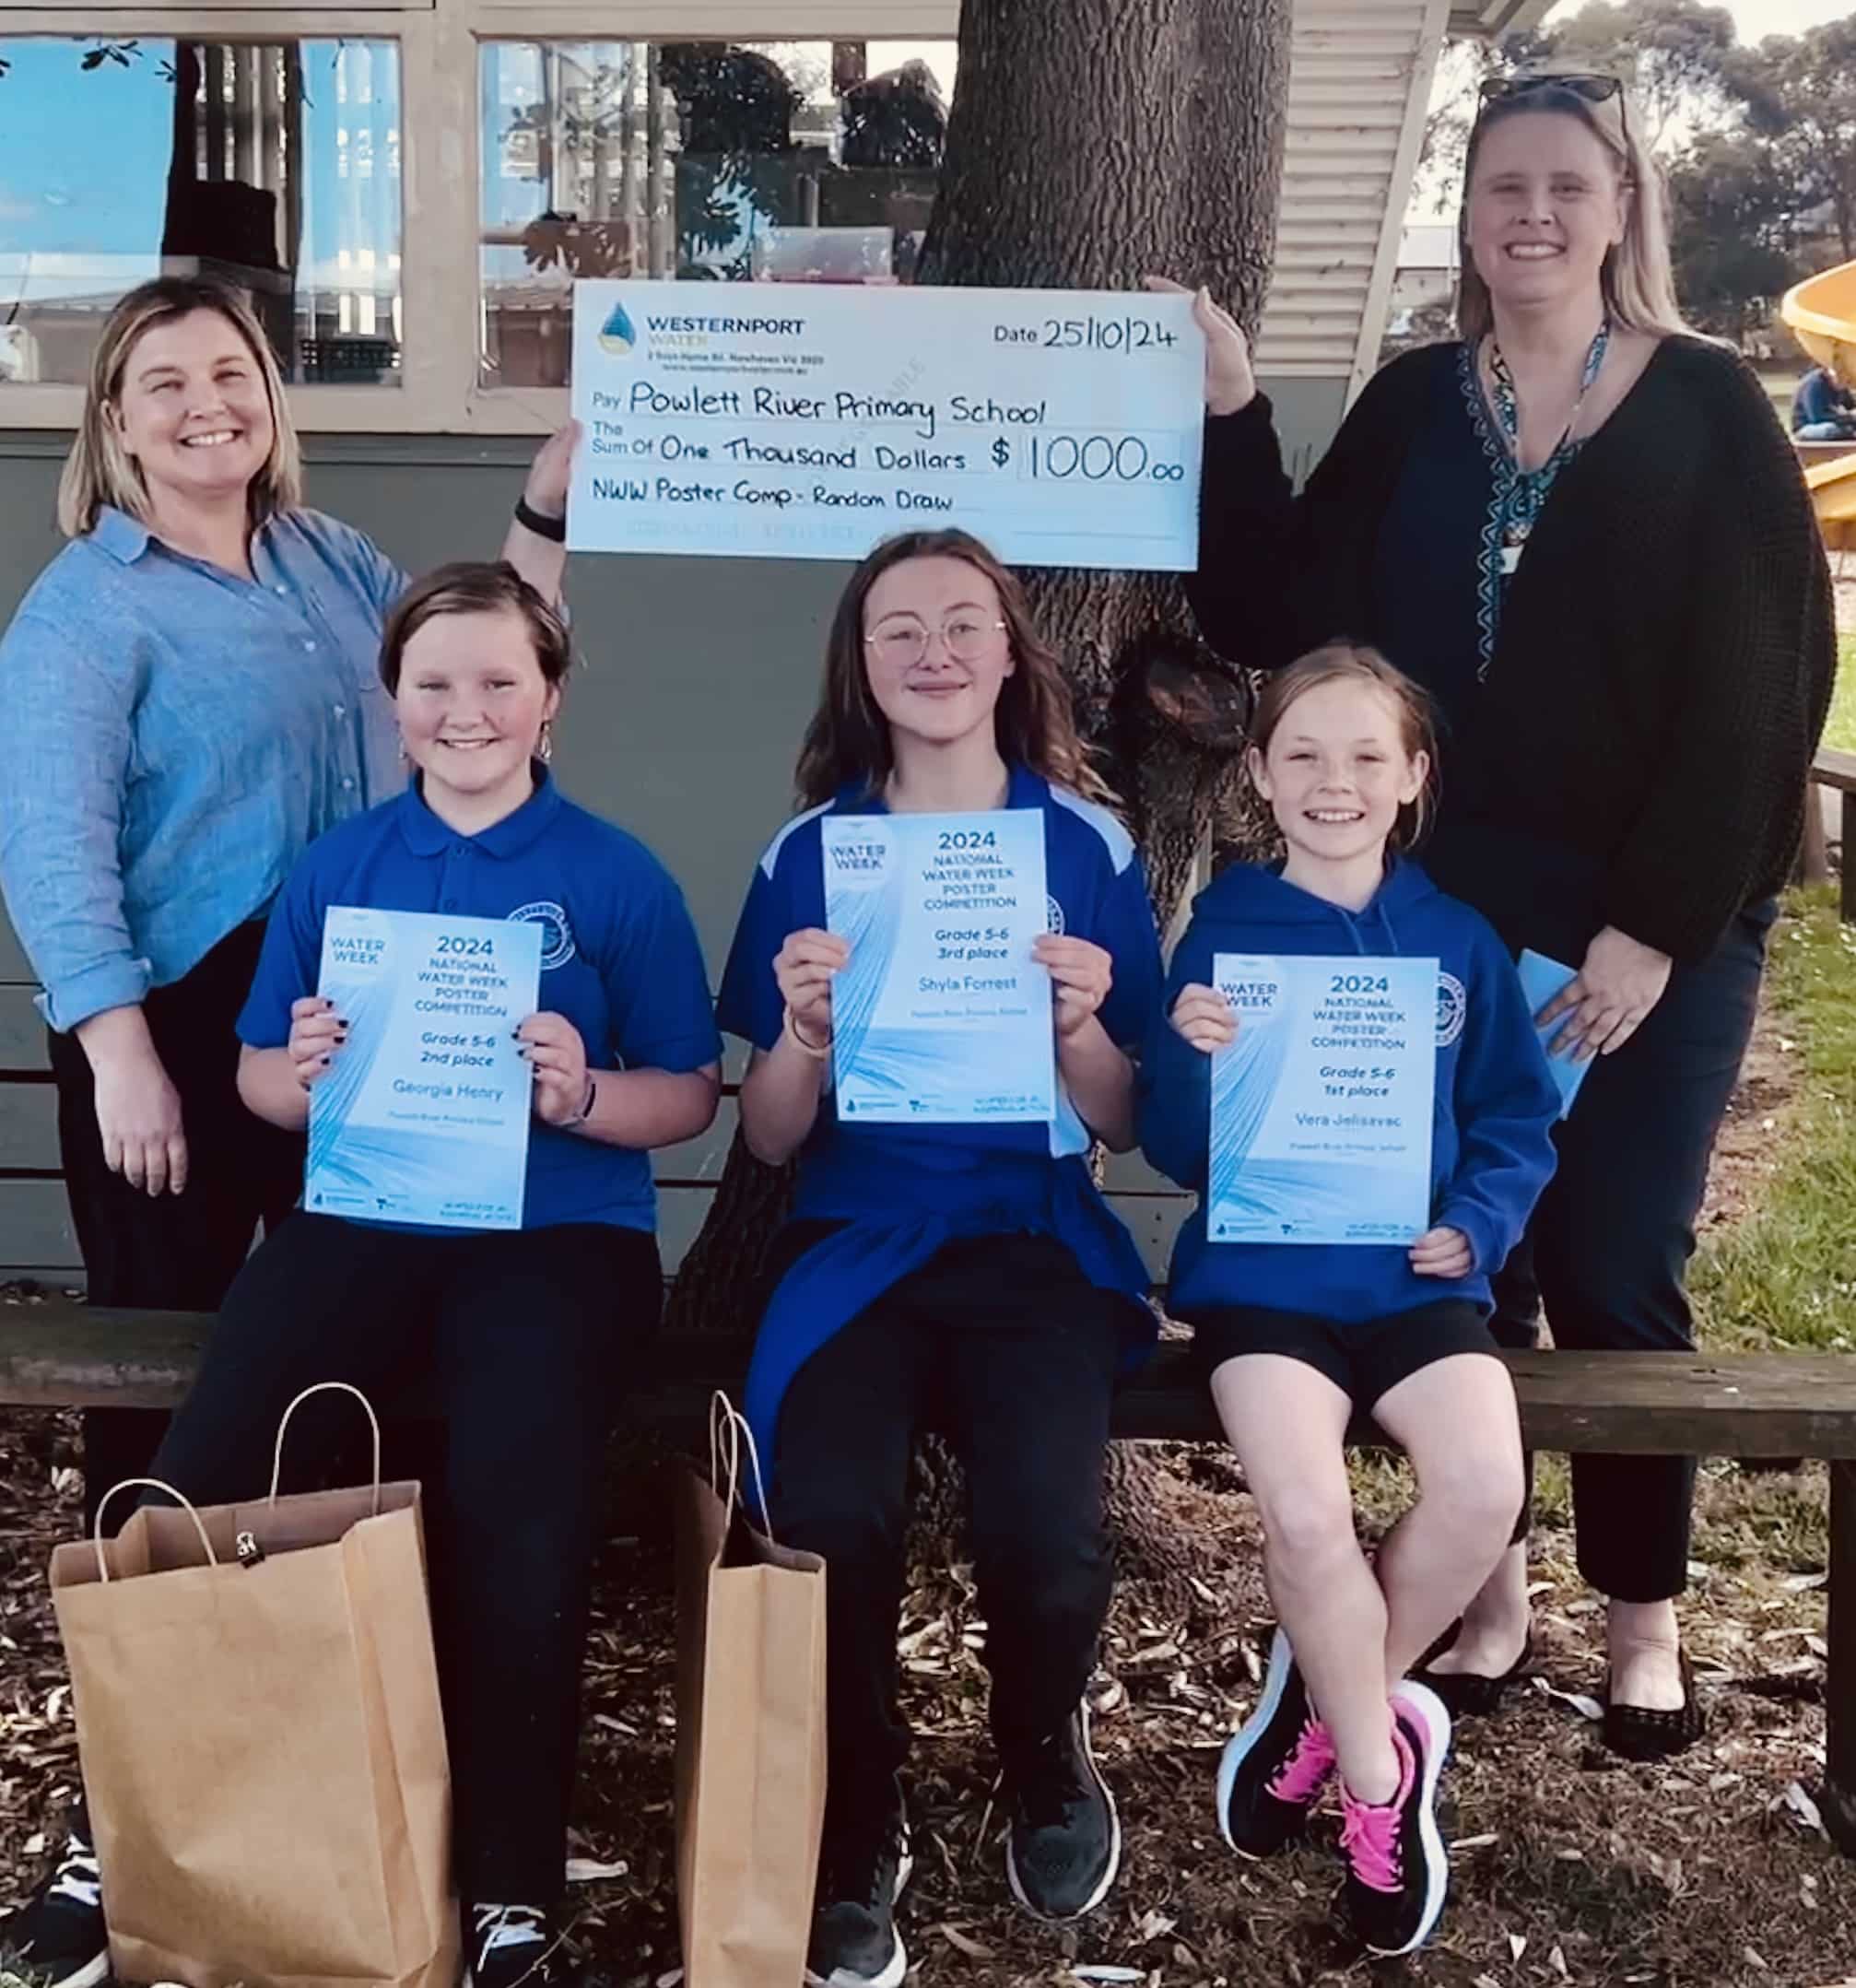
pixel 964 1277
pixel 1580 528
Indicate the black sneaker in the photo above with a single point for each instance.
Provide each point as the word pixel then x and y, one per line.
pixel 1063 1848
pixel 512 1943
pixel 1275 1764
pixel 854 1942
pixel 57 1939
pixel 1397 1868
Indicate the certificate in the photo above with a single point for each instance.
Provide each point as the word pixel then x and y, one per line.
pixel 423 1116
pixel 809 421
pixel 1321 1118
pixel 941 1017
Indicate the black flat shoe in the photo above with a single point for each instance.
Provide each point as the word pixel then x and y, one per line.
pixel 1467 1694
pixel 1636 1733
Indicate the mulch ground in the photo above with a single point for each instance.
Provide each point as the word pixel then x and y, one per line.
pixel 1567 1866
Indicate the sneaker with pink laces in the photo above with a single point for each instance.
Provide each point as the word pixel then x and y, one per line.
pixel 1275 1764
pixel 1397 1868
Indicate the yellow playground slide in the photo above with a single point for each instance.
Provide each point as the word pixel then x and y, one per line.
pixel 1822 313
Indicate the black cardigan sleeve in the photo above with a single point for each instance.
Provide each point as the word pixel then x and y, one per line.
pixel 1725 805
pixel 1279 573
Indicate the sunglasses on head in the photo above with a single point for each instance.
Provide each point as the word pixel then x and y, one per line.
pixel 1588 89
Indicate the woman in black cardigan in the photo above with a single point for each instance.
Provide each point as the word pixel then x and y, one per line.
pixel 1629 712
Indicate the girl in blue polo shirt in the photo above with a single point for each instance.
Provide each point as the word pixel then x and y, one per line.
pixel 968 1277
pixel 1299 1339
pixel 523 1333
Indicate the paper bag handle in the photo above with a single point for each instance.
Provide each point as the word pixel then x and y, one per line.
pixel 152 1484
pixel 323 1387
pixel 728 1430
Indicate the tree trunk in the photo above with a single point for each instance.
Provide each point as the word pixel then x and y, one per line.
pixel 1089 145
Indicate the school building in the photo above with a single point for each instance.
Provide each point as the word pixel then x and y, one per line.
pixel 409 188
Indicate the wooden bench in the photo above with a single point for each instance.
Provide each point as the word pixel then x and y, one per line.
pixel 60 1354
pixel 1837 771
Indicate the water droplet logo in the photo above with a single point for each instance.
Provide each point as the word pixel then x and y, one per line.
pixel 617 335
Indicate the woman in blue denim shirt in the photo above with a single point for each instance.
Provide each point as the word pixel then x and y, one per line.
pixel 191 699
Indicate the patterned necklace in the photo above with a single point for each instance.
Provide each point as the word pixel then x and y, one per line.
pixel 1525 495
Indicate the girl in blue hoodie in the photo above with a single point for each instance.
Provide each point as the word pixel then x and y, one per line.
pixel 1297 1340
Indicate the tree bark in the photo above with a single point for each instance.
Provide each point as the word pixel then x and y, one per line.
pixel 1089 145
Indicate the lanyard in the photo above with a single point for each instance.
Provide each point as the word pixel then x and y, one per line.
pixel 1525 495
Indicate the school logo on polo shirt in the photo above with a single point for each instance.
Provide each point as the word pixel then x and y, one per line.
pixel 557 935
pixel 1053 914
pixel 1452 1005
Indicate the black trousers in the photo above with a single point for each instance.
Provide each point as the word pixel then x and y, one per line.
pixel 1609 1244
pixel 179 1251
pixel 1005 1345
pixel 520 1335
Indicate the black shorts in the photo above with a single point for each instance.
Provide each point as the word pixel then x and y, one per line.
pixel 1364 1360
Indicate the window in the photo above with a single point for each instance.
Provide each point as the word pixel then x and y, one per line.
pixel 713 161
pixel 275 163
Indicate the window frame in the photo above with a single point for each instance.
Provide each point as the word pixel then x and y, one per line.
pixel 437 392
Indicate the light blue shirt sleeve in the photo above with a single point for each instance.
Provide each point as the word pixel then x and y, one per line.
pixel 63 771
pixel 177 734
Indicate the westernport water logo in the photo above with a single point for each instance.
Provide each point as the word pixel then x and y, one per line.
pixel 617 335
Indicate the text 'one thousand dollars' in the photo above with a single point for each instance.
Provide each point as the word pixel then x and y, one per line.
pixel 810 421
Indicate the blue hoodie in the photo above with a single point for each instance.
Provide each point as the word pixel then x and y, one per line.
pixel 1491 1139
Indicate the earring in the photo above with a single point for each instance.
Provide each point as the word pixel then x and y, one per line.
pixel 546 748
pixel 405 758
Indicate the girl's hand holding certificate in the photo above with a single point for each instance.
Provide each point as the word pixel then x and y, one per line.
pixel 803 970
pixel 1204 1018
pixel 316 1033
pixel 1442 1253
pixel 1081 975
pixel 554 1050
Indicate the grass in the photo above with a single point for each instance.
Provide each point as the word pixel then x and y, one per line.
pixel 1840 731
pixel 1785 1273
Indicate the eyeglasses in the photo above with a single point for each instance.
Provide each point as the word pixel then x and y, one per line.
pixel 905 643
pixel 1587 87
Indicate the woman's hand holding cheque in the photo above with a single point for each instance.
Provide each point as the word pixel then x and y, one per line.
pixel 1230 383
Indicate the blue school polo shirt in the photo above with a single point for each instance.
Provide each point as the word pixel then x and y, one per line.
pixel 902 1192
pixel 619 957
pixel 1096 893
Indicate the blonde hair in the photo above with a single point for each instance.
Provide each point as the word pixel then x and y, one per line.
pixel 1366 669
pixel 1637 277
pixel 100 471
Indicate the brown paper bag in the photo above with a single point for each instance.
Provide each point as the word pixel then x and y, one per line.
pixel 264 1750
pixel 750 1729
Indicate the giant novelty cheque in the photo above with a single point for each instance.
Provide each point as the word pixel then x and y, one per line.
pixel 810 421
pixel 1321 1117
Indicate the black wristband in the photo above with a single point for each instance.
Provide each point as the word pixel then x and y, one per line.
pixel 553 528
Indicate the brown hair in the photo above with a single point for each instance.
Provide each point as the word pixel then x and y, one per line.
pixel 1637 277
pixel 1355 663
pixel 475 587
pixel 100 471
pixel 1034 722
